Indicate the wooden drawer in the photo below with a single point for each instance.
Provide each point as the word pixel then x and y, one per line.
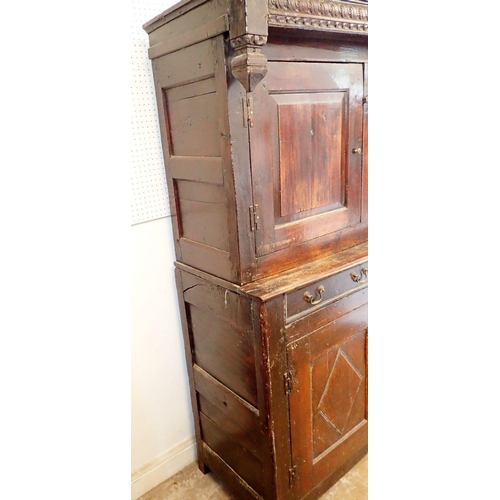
pixel 323 292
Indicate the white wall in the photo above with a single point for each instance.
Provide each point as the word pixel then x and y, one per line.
pixel 162 421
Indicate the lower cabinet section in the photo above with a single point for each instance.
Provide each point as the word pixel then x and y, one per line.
pixel 280 405
pixel 328 398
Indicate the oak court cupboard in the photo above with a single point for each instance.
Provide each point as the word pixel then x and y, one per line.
pixel 263 116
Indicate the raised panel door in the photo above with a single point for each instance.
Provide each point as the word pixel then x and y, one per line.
pixel 328 400
pixel 306 140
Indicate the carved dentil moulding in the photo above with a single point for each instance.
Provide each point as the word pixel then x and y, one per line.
pixel 329 16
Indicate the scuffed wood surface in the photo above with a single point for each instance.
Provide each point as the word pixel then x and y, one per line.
pixel 303 275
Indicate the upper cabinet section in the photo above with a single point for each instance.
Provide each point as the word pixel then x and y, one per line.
pixel 263 112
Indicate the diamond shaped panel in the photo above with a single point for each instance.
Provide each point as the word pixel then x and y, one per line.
pixel 340 391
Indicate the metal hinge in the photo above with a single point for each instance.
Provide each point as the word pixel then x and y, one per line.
pixel 292 475
pixel 254 218
pixel 248 111
pixel 288 376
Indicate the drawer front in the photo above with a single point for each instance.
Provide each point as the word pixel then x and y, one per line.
pixel 316 295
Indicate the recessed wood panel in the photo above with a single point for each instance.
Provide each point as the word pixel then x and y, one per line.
pixel 200 191
pixel 231 413
pixel 233 453
pixel 305 145
pixel 207 258
pixel 194 125
pixel 193 63
pixel 224 351
pixel 197 168
pixel 204 222
pixel 311 152
pixel 338 395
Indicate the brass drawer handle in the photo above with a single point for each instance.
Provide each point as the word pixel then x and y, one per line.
pixel 312 300
pixel 357 278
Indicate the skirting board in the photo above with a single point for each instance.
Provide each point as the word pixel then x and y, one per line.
pixel 163 467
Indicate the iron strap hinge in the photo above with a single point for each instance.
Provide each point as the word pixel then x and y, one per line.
pixel 254 218
pixel 248 111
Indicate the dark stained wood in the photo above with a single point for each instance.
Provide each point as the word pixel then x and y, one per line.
pixel 309 251
pixel 205 222
pixel 280 48
pixel 364 187
pixel 206 130
pixel 306 123
pixel 226 155
pixel 197 168
pixel 342 327
pixel 184 17
pixel 189 65
pixel 327 483
pixel 198 34
pixel 229 411
pixel 206 258
pixel 325 291
pixel 273 405
pixel 224 351
pixel 264 125
pixel 292 106
pixel 196 89
pixel 194 128
pixel 238 486
pixel 222 335
pixel 327 402
pixel 240 160
pixel 189 363
pixel 325 315
pixel 236 456
pixel 306 274
pixel 199 191
pixel 246 437
pixel 218 300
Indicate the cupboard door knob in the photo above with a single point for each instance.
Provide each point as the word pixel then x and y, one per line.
pixel 358 278
pixel 356 150
pixel 313 300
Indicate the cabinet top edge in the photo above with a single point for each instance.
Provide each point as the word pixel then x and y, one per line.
pixel 340 16
pixel 171 13
pixel 287 281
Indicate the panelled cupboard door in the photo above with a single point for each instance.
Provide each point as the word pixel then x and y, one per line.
pixel 306 137
pixel 328 399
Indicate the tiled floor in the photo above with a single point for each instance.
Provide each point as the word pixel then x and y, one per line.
pixel 191 484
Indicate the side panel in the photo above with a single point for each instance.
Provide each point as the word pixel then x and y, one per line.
pixel 191 91
pixel 221 343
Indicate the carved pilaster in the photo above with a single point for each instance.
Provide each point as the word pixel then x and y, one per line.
pixel 249 65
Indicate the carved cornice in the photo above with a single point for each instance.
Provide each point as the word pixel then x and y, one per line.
pixel 248 40
pixel 322 15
